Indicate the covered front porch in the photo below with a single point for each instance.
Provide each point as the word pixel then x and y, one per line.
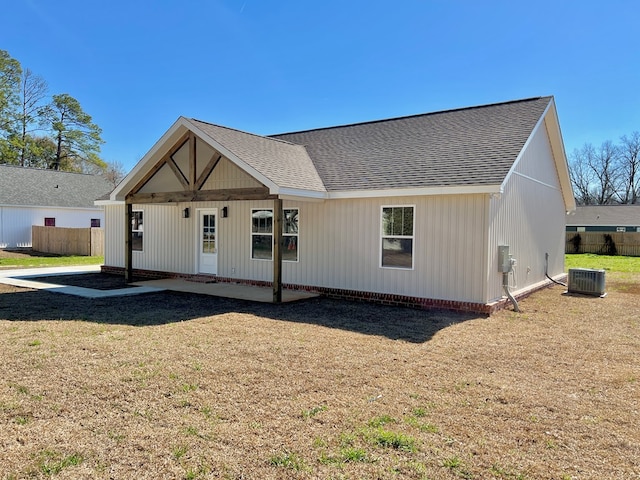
pixel 198 175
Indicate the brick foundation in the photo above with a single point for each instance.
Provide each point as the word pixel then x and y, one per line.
pixel 353 295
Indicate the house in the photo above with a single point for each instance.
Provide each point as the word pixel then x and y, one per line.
pixel 604 218
pixel 604 229
pixel 409 210
pixel 30 196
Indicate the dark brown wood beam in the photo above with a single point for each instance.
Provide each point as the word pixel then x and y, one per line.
pixel 208 170
pixel 178 173
pixel 128 244
pixel 277 250
pixel 192 162
pixel 178 145
pixel 202 196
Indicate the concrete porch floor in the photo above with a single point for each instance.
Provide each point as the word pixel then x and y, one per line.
pixel 24 278
pixel 227 290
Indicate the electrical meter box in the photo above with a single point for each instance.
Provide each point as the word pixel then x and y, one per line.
pixel 504 260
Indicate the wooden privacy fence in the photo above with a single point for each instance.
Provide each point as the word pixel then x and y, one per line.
pixel 604 243
pixel 68 241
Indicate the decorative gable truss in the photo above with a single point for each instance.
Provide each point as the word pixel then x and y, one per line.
pixel 182 173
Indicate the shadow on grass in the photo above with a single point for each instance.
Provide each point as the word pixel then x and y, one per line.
pixel 160 308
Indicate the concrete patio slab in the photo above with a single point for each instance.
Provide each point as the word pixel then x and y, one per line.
pixel 228 290
pixel 24 278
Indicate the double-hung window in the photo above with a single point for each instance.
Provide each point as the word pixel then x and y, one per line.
pixel 262 234
pixel 397 232
pixel 290 235
pixel 137 230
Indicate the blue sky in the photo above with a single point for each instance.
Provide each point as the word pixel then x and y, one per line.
pixel 276 66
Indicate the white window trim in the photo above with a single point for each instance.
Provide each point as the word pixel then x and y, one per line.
pixel 412 237
pixel 297 235
pixel 141 231
pixel 251 232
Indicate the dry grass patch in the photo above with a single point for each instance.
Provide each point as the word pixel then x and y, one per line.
pixel 171 385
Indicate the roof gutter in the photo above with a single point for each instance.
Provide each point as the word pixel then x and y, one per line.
pixel 423 191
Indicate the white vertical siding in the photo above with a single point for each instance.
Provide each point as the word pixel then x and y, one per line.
pixel 16 222
pixel 114 235
pixel 163 181
pixel 339 245
pixel 340 242
pixel 228 175
pixel 530 218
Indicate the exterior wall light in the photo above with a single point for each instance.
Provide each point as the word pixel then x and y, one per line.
pixel 185 213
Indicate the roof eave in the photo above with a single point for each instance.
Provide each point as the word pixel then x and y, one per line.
pixel 272 186
pixel 419 191
pixel 153 155
pixel 559 154
pixel 549 120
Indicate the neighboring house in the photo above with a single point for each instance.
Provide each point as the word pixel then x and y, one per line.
pixel 604 218
pixel 408 210
pixel 30 196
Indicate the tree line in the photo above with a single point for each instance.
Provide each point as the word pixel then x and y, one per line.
pixel 608 174
pixel 42 131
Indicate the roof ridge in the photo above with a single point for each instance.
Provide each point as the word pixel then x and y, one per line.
pixel 36 169
pixel 267 137
pixel 416 115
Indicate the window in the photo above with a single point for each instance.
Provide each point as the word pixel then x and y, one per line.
pixel 49 222
pixel 290 235
pixel 136 230
pixel 621 229
pixel 208 234
pixel 397 237
pixel 95 223
pixel 262 233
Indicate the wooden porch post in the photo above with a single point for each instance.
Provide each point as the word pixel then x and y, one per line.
pixel 277 250
pixel 128 243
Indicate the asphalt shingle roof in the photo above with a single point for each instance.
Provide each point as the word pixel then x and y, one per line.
pixel 282 162
pixel 610 215
pixel 34 187
pixel 469 146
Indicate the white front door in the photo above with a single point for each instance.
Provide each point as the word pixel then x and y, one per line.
pixel 207 243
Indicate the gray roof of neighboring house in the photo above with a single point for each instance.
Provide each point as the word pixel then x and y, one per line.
pixel 49 188
pixel 468 146
pixel 282 162
pixel 610 215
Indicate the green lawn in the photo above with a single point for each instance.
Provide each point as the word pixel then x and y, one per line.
pixel 606 262
pixel 62 261
pixel 586 260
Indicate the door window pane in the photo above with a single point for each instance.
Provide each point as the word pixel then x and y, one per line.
pixel 208 234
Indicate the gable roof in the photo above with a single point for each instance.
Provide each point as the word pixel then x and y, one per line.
pixel 49 188
pixel 467 150
pixel 605 215
pixel 281 162
pixel 469 146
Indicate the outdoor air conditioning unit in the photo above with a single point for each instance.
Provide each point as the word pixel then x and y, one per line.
pixel 587 281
